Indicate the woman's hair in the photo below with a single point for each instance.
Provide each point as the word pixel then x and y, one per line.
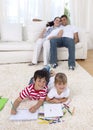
pixel 56 18
pixel 41 74
pixel 60 78
pixel 51 23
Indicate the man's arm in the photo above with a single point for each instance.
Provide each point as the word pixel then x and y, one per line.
pixel 76 37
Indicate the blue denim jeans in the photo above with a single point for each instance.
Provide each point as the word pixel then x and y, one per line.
pixel 62 42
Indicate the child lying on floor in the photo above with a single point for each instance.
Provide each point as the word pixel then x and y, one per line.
pixel 35 91
pixel 51 73
pixel 60 92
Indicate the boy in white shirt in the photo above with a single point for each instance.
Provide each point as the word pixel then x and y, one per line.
pixel 60 92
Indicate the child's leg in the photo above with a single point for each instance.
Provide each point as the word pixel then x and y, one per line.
pixel 47 68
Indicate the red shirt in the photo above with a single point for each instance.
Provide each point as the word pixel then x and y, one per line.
pixel 31 93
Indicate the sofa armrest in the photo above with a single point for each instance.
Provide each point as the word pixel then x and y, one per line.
pixel 83 40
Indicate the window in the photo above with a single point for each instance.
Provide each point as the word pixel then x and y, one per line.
pixel 24 11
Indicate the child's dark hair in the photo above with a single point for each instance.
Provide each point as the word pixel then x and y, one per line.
pixel 60 78
pixel 41 74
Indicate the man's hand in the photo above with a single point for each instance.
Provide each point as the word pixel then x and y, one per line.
pixel 76 38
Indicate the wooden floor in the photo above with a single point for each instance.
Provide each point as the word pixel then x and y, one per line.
pixel 88 63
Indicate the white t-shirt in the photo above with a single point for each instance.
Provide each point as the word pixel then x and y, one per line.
pixel 69 30
pixel 53 93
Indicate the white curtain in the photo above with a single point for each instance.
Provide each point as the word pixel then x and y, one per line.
pixel 79 12
pixel 82 12
pixel 18 10
pixel 25 10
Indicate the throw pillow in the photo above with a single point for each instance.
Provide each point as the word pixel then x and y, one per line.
pixel 11 32
pixel 34 29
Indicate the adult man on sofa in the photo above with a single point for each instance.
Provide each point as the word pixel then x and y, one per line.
pixel 68 40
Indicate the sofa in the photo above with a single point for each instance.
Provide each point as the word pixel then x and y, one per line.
pixel 17 42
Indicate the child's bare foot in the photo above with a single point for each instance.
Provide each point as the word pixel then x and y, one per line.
pixel 52 73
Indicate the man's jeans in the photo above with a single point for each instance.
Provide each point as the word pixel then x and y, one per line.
pixel 62 42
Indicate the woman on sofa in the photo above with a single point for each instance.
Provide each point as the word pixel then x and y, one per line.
pixel 44 41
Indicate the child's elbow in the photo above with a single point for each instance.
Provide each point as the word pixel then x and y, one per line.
pixel 47 99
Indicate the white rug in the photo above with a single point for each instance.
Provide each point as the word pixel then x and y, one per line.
pixel 14 77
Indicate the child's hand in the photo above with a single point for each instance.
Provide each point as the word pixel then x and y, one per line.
pixel 57 100
pixel 32 109
pixel 13 112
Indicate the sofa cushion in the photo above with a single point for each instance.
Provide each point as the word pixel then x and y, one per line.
pixel 25 45
pixel 16 46
pixel 11 32
pixel 34 29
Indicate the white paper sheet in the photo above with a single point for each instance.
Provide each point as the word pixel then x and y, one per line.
pixel 24 114
pixel 53 110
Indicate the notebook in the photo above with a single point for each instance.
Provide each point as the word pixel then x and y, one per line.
pixel 24 114
pixel 52 110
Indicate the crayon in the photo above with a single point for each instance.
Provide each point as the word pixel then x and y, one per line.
pixel 13 106
pixel 43 122
pixel 66 105
pixel 44 119
pixel 68 110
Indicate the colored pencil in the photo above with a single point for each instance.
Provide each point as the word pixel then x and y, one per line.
pixel 13 106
